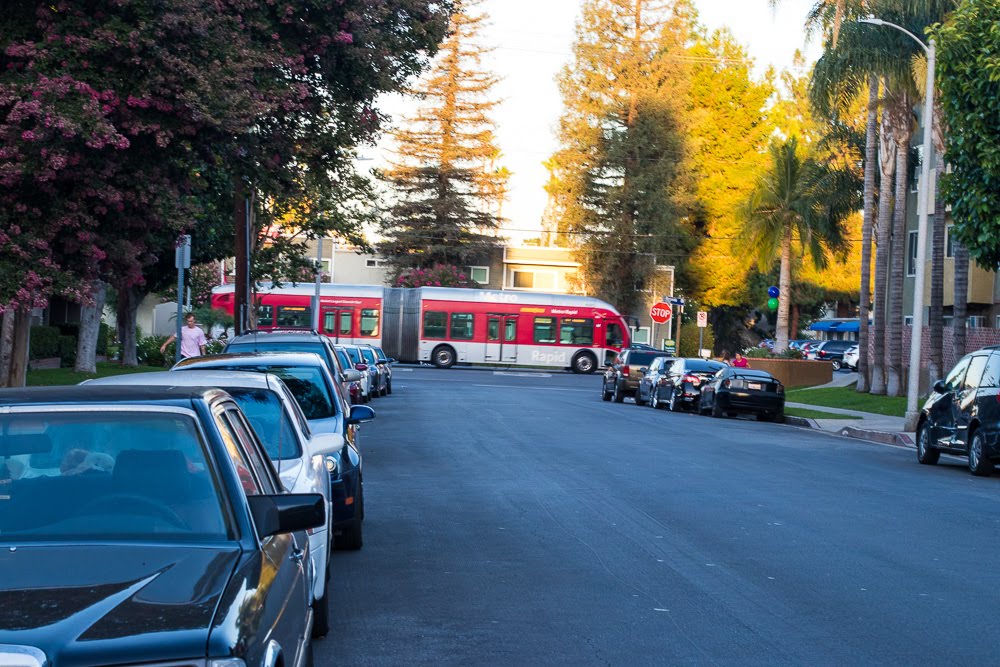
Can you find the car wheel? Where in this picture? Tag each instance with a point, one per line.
(779, 416)
(639, 400)
(618, 396)
(584, 363)
(321, 614)
(764, 417)
(836, 365)
(388, 388)
(351, 538)
(672, 403)
(605, 394)
(979, 463)
(926, 454)
(654, 398)
(443, 356)
(716, 410)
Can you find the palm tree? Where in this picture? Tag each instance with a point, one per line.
(797, 198)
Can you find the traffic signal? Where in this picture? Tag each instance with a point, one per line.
(773, 293)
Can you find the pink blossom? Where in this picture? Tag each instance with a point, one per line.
(28, 135)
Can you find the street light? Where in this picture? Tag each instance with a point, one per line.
(913, 384)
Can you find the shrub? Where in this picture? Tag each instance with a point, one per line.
(758, 353)
(44, 342)
(792, 354)
(67, 351)
(214, 346)
(148, 351)
(439, 275)
(102, 339)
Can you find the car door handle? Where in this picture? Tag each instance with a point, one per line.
(298, 555)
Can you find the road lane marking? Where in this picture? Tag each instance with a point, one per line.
(523, 375)
(524, 386)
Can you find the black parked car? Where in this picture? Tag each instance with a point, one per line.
(962, 416)
(685, 378)
(744, 391)
(832, 351)
(651, 381)
(147, 526)
(621, 378)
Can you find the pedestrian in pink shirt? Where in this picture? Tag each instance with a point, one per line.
(193, 339)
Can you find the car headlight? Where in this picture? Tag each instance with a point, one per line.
(227, 662)
(331, 465)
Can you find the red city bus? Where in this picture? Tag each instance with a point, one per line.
(445, 326)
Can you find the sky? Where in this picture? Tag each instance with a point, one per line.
(530, 52)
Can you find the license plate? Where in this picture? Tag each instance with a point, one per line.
(754, 385)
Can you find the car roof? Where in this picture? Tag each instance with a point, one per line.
(252, 359)
(290, 336)
(192, 378)
(103, 394)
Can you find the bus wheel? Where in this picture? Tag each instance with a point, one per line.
(443, 356)
(584, 362)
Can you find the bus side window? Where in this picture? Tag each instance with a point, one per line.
(493, 329)
(461, 326)
(435, 324)
(345, 323)
(614, 335)
(510, 330)
(576, 331)
(545, 330)
(369, 322)
(265, 316)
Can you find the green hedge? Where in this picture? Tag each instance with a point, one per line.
(148, 351)
(44, 342)
(102, 339)
(67, 351)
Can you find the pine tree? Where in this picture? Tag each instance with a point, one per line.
(448, 188)
(620, 179)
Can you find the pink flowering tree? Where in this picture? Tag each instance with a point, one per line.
(439, 275)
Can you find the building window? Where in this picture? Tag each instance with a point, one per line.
(975, 322)
(461, 326)
(435, 324)
(480, 274)
(545, 329)
(997, 322)
(376, 263)
(911, 255)
(949, 247)
(540, 280)
(908, 321)
(369, 322)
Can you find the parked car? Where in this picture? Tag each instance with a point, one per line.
(299, 341)
(799, 344)
(352, 390)
(367, 374)
(962, 415)
(832, 351)
(298, 454)
(385, 363)
(622, 377)
(326, 411)
(735, 391)
(851, 358)
(652, 380)
(145, 526)
(380, 377)
(682, 389)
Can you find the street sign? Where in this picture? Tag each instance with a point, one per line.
(677, 301)
(182, 254)
(702, 319)
(669, 346)
(660, 312)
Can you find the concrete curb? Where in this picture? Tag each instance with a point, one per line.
(869, 435)
(802, 421)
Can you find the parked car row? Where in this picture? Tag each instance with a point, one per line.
(189, 515)
(693, 384)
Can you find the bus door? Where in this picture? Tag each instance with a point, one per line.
(338, 323)
(501, 338)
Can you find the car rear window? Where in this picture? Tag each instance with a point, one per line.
(699, 366)
(306, 383)
(107, 475)
(642, 358)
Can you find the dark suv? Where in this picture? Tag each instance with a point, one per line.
(961, 416)
(622, 377)
(832, 351)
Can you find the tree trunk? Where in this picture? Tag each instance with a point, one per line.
(785, 287)
(887, 164)
(90, 328)
(19, 349)
(6, 346)
(961, 297)
(871, 155)
(793, 332)
(897, 268)
(128, 306)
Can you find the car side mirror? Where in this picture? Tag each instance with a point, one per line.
(644, 369)
(940, 387)
(360, 414)
(287, 512)
(361, 367)
(351, 375)
(390, 360)
(325, 443)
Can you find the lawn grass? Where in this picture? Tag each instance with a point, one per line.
(48, 377)
(847, 398)
(817, 414)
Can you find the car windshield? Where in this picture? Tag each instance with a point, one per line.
(270, 421)
(380, 354)
(107, 475)
(344, 360)
(368, 354)
(699, 366)
(305, 382)
(355, 355)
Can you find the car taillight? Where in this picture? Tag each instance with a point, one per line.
(625, 370)
(693, 379)
(726, 384)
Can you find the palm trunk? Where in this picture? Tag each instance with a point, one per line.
(90, 328)
(887, 163)
(785, 287)
(871, 155)
(897, 270)
(128, 306)
(936, 315)
(961, 297)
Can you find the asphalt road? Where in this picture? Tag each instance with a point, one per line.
(517, 519)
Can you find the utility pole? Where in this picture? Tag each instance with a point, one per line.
(182, 260)
(241, 218)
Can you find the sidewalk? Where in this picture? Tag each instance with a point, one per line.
(872, 427)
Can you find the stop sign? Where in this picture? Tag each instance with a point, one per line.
(660, 312)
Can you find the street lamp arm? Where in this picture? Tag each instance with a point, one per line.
(874, 21)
